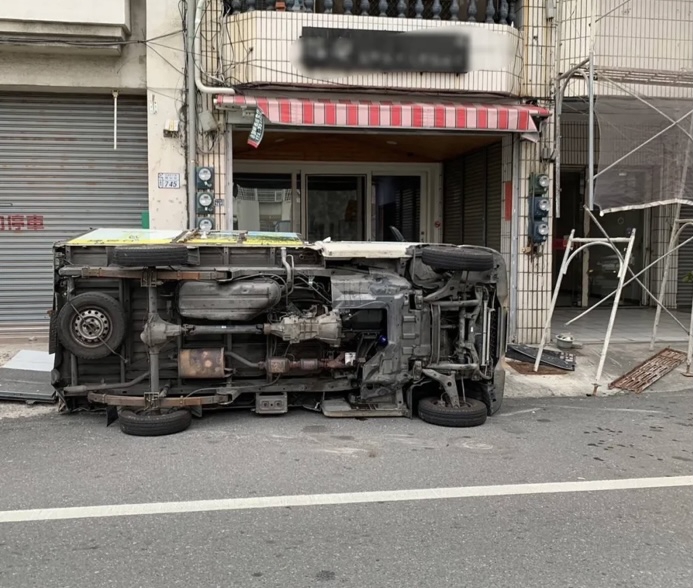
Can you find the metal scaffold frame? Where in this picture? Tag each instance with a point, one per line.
(588, 71)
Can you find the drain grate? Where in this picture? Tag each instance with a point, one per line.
(649, 371)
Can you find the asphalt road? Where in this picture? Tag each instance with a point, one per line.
(639, 537)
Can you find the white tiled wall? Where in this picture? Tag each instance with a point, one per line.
(533, 284)
(574, 153)
(647, 38)
(633, 40)
(261, 48)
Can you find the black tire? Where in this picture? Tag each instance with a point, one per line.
(471, 413)
(150, 256)
(457, 259)
(154, 424)
(52, 334)
(91, 325)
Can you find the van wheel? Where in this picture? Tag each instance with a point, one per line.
(470, 413)
(91, 325)
(150, 255)
(457, 259)
(153, 424)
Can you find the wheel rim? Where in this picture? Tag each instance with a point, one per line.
(447, 404)
(91, 327)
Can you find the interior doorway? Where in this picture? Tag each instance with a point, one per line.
(593, 274)
(604, 263)
(572, 217)
(336, 207)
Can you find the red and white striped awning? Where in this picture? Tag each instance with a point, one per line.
(391, 115)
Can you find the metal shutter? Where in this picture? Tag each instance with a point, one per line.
(410, 220)
(453, 186)
(474, 203)
(60, 176)
(684, 290)
(494, 189)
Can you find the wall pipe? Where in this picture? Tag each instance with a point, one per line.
(196, 54)
(590, 131)
(192, 113)
(199, 85)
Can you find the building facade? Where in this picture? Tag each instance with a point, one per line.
(301, 135)
(642, 55)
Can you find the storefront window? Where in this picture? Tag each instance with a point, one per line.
(336, 207)
(262, 202)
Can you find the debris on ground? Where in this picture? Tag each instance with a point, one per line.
(556, 359)
(649, 371)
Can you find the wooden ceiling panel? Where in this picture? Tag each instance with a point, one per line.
(356, 147)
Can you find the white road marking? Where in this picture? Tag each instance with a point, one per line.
(641, 410)
(121, 510)
(525, 411)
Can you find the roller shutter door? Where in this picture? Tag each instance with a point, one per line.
(59, 177)
(494, 193)
(684, 290)
(474, 199)
(453, 188)
(410, 221)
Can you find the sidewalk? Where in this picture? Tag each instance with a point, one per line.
(17, 380)
(620, 359)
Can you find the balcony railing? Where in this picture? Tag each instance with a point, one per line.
(481, 11)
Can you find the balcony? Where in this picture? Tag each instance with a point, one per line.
(481, 11)
(262, 43)
(65, 26)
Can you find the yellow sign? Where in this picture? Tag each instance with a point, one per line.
(126, 237)
(114, 237)
(248, 238)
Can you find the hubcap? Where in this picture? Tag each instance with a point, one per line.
(91, 327)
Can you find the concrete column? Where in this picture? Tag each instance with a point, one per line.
(165, 60)
(534, 272)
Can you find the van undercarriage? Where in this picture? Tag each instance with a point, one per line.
(157, 332)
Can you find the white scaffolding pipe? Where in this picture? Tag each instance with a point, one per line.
(635, 149)
(689, 353)
(649, 104)
(590, 134)
(585, 243)
(629, 269)
(676, 232)
(586, 69)
(641, 272)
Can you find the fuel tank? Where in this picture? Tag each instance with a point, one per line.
(242, 300)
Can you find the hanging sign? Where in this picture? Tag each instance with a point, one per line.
(258, 129)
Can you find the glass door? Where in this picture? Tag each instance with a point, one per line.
(604, 263)
(396, 207)
(335, 207)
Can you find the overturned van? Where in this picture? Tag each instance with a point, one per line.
(158, 326)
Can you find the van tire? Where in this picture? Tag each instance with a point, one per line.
(457, 259)
(150, 256)
(154, 424)
(470, 413)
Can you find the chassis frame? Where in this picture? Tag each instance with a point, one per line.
(414, 300)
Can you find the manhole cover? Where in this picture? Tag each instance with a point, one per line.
(649, 371)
